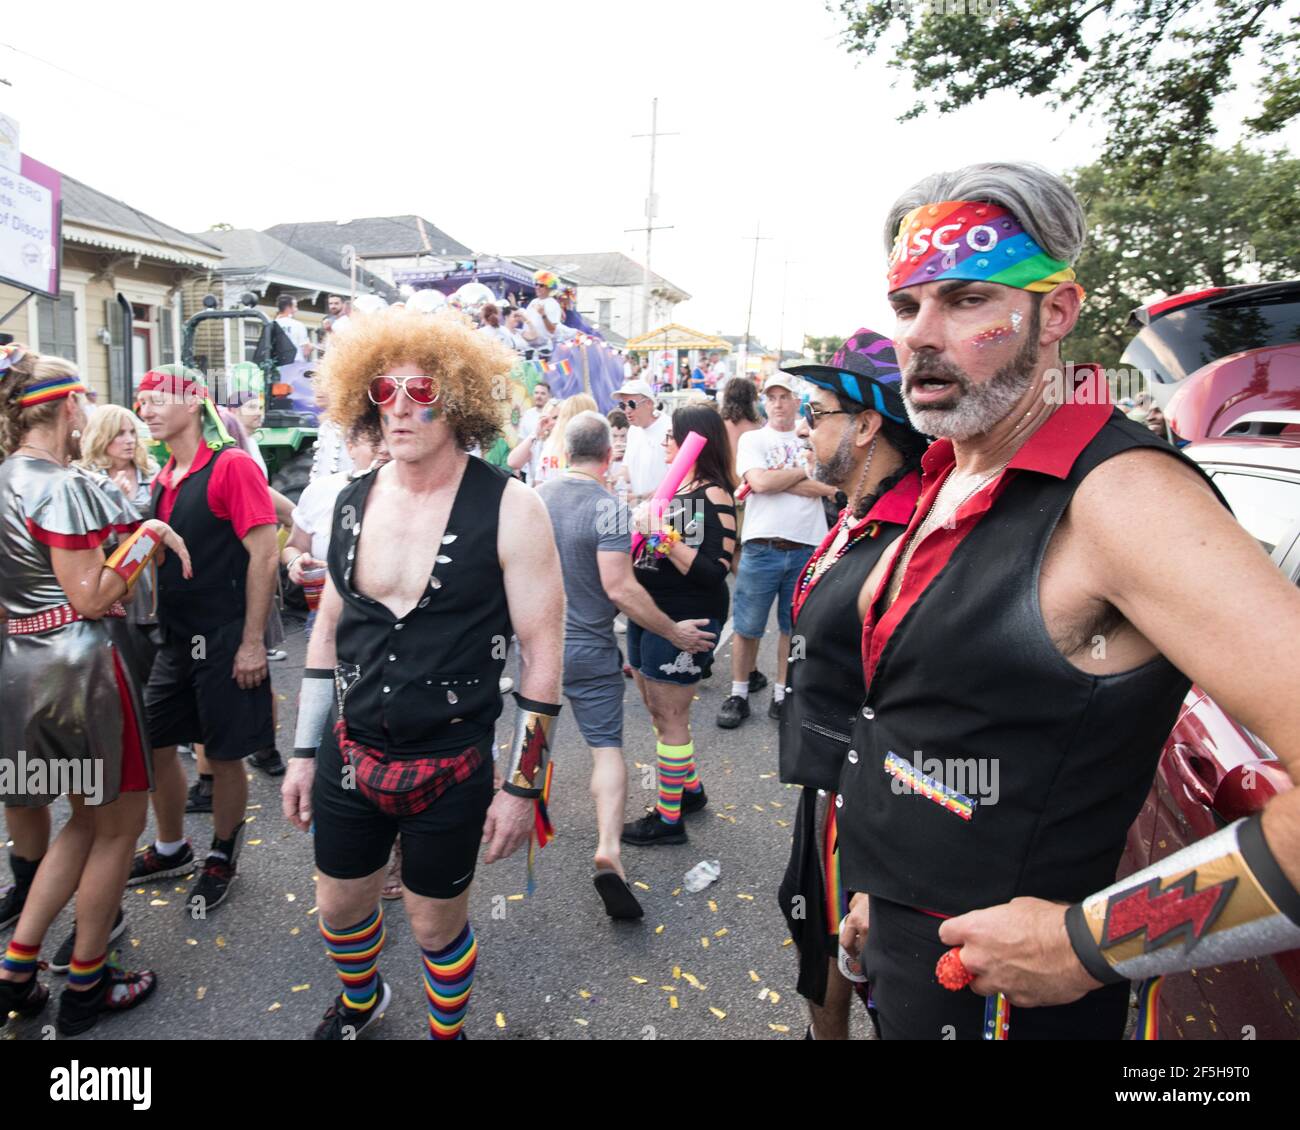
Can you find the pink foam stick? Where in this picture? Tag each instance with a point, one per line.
(681, 466)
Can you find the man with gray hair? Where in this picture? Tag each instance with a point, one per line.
(593, 534)
(1044, 613)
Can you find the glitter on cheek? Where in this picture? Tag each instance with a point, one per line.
(1016, 319)
(428, 415)
(994, 335)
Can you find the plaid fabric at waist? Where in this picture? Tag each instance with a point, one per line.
(403, 786)
(51, 618)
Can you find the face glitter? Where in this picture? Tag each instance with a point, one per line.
(994, 335)
(428, 415)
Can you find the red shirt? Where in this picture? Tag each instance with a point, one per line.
(1051, 450)
(237, 489)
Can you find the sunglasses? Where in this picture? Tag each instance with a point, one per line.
(421, 390)
(812, 415)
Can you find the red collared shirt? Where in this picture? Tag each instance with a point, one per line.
(1051, 450)
(894, 507)
(237, 489)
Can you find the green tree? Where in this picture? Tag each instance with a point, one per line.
(1234, 218)
(1152, 70)
(822, 348)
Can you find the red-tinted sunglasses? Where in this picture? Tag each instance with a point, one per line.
(422, 390)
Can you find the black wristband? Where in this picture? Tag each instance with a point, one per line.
(304, 754)
(516, 790)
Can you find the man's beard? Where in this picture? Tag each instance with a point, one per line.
(980, 406)
(837, 469)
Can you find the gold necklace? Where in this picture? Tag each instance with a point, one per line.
(584, 474)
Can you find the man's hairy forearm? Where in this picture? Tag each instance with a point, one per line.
(640, 608)
(259, 585)
(774, 482)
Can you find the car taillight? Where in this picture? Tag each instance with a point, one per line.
(1144, 314)
(279, 389)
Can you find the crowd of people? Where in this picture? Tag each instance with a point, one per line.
(946, 541)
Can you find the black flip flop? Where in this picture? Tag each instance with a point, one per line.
(620, 902)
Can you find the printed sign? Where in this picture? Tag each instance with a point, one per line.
(30, 236)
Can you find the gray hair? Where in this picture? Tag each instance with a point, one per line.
(587, 438)
(1043, 203)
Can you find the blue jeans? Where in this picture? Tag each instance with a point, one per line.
(766, 574)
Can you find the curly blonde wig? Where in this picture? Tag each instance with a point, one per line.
(106, 424)
(471, 370)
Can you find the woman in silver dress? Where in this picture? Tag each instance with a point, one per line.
(73, 718)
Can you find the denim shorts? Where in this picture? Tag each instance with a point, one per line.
(766, 574)
(661, 662)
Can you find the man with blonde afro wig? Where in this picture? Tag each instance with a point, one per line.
(435, 559)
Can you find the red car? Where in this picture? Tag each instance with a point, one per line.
(1213, 770)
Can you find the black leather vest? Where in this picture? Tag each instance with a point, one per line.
(214, 595)
(427, 683)
(825, 672)
(971, 692)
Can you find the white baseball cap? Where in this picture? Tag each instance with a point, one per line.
(779, 380)
(635, 388)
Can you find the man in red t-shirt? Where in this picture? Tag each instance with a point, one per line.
(210, 682)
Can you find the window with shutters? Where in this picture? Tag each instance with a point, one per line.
(604, 306)
(166, 336)
(58, 326)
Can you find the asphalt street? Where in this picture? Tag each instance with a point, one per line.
(711, 965)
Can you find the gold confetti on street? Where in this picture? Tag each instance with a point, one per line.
(501, 1019)
(290, 897)
(584, 994)
(252, 843)
(718, 1013)
(779, 1027)
(295, 931)
(637, 980)
(719, 933)
(640, 884)
(191, 941)
(157, 902)
(713, 906)
(754, 976)
(514, 898)
(747, 898)
(221, 942)
(788, 942)
(672, 1002)
(659, 929)
(704, 942)
(300, 988)
(200, 992)
(579, 1020)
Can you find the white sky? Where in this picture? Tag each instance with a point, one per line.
(509, 126)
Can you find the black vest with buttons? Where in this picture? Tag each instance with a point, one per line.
(215, 593)
(427, 683)
(825, 673)
(971, 680)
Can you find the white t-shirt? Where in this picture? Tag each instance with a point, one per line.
(297, 333)
(645, 455)
(314, 513)
(781, 515)
(548, 306)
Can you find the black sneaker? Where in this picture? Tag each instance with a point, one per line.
(14, 898)
(212, 888)
(774, 710)
(117, 991)
(63, 957)
(268, 761)
(26, 998)
(693, 802)
(650, 830)
(199, 799)
(734, 711)
(343, 1023)
(150, 864)
(757, 681)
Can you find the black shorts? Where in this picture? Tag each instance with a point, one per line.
(189, 699)
(902, 950)
(809, 919)
(439, 844)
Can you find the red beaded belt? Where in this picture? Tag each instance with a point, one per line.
(52, 618)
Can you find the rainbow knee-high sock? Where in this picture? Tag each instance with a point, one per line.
(692, 783)
(675, 765)
(85, 975)
(355, 953)
(448, 979)
(20, 958)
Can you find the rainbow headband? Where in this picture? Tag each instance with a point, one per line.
(55, 389)
(964, 239)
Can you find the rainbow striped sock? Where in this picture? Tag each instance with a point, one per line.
(448, 979)
(675, 763)
(20, 958)
(85, 975)
(692, 783)
(355, 953)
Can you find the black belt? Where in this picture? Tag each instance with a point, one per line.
(779, 543)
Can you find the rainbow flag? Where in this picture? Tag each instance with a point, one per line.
(563, 367)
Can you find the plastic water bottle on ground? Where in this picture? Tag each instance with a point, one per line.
(702, 874)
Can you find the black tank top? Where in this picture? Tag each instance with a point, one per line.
(971, 686)
(427, 683)
(825, 672)
(214, 595)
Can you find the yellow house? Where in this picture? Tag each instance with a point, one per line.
(118, 312)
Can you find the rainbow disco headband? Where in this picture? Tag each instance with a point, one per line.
(55, 389)
(546, 278)
(964, 239)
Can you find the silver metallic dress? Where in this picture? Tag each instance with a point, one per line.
(66, 692)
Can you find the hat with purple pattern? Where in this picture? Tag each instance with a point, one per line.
(864, 370)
